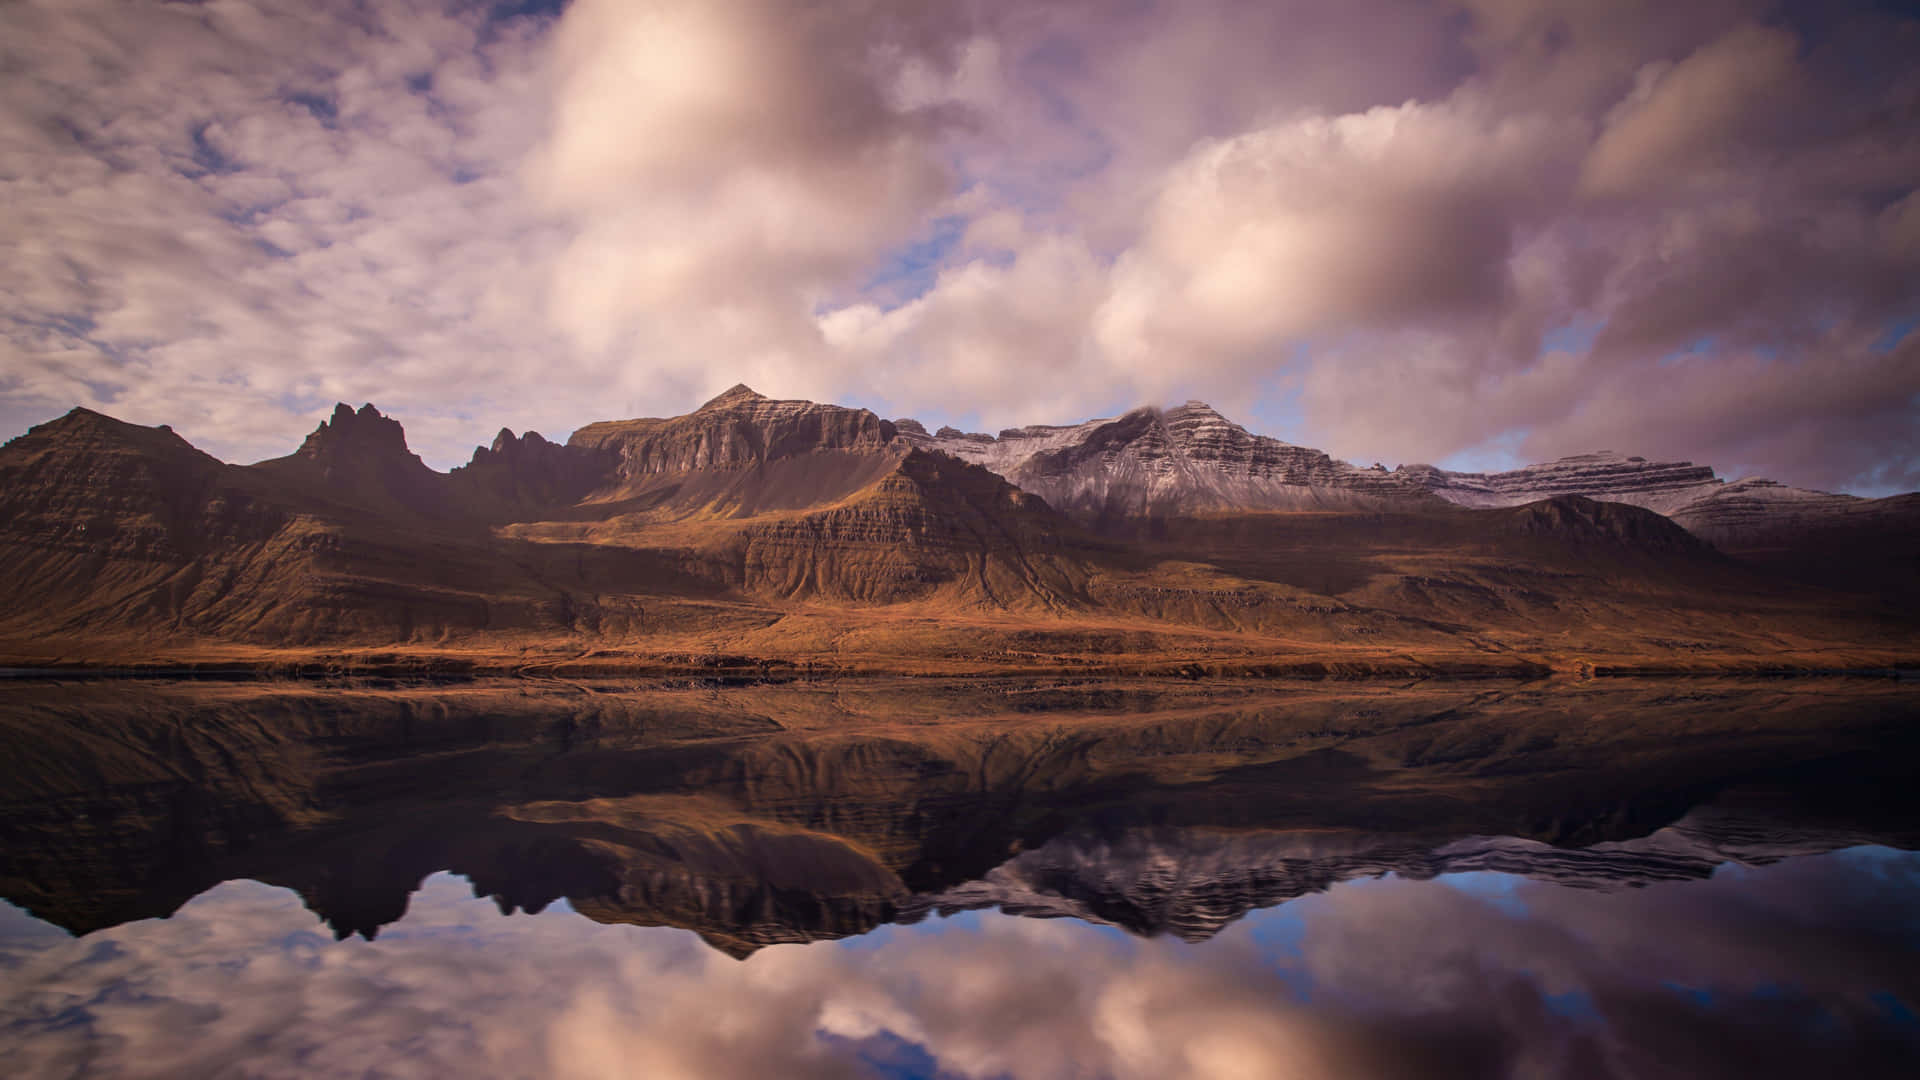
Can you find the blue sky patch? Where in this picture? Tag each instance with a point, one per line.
(910, 271)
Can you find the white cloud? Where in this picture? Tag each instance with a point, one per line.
(1374, 219)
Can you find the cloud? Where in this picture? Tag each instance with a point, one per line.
(987, 324)
(229, 216)
(1383, 218)
(226, 217)
(1687, 117)
(727, 167)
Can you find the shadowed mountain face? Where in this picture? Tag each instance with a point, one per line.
(764, 815)
(792, 532)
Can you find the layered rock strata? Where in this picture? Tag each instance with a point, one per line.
(737, 430)
(1179, 461)
(1662, 486)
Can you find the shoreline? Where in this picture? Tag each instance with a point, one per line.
(744, 671)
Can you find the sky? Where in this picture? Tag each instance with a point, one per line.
(1803, 968)
(1473, 232)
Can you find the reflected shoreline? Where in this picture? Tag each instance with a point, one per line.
(767, 814)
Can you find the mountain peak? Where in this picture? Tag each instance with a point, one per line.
(363, 435)
(81, 418)
(85, 427)
(738, 394)
(363, 431)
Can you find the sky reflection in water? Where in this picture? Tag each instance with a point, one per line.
(1806, 967)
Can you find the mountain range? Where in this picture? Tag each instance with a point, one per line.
(754, 533)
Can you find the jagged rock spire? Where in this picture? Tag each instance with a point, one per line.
(358, 433)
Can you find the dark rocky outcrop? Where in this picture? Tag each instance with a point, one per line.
(360, 459)
(1579, 522)
(522, 476)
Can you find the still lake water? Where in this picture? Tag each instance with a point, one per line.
(930, 879)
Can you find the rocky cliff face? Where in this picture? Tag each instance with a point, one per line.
(1662, 486)
(737, 430)
(1161, 463)
(739, 455)
(931, 525)
(1001, 453)
(1731, 513)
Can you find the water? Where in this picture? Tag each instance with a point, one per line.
(966, 880)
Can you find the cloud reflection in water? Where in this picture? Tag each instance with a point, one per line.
(1810, 966)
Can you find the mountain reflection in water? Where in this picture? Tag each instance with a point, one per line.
(1642, 879)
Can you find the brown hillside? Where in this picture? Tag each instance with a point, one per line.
(931, 527)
